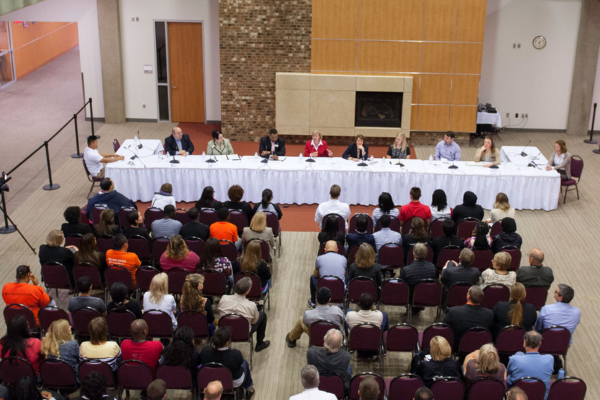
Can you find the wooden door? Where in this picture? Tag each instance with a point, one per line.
(186, 72)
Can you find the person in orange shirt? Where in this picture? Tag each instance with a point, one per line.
(23, 292)
(225, 230)
(120, 256)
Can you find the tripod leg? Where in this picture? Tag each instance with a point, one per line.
(14, 226)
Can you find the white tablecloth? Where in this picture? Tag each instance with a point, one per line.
(513, 155)
(149, 147)
(294, 181)
(489, 118)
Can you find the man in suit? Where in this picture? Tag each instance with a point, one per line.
(272, 146)
(463, 272)
(331, 357)
(536, 274)
(178, 143)
(463, 318)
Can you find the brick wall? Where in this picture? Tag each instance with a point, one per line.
(257, 39)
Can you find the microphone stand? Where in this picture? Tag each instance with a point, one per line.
(523, 154)
(174, 161)
(453, 166)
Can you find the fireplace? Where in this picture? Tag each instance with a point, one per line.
(378, 109)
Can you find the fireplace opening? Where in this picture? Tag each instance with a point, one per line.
(378, 109)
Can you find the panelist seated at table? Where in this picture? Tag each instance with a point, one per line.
(447, 148)
(560, 160)
(488, 153)
(271, 146)
(357, 151)
(218, 145)
(399, 149)
(317, 147)
(94, 159)
(178, 143)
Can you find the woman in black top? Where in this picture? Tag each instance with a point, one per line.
(449, 238)
(207, 200)
(364, 265)
(106, 226)
(469, 208)
(73, 226)
(508, 237)
(53, 251)
(119, 293)
(220, 352)
(266, 204)
(331, 231)
(88, 253)
(181, 352)
(253, 262)
(135, 220)
(399, 149)
(440, 364)
(236, 193)
(515, 311)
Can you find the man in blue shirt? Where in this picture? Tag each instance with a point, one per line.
(385, 235)
(531, 363)
(330, 263)
(167, 226)
(447, 148)
(560, 313)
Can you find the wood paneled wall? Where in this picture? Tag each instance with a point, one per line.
(437, 42)
(39, 43)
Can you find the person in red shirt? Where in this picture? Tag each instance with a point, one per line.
(225, 230)
(414, 208)
(317, 147)
(119, 255)
(147, 351)
(23, 292)
(19, 343)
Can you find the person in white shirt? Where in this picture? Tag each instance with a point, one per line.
(164, 197)
(158, 298)
(502, 209)
(94, 159)
(333, 206)
(309, 375)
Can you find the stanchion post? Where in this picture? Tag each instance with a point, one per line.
(78, 154)
(6, 228)
(591, 139)
(51, 186)
(92, 116)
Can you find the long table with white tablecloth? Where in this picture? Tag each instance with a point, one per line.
(295, 181)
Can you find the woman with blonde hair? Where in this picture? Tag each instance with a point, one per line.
(106, 226)
(440, 364)
(158, 298)
(399, 149)
(560, 160)
(317, 147)
(99, 347)
(53, 251)
(499, 273)
(514, 312)
(192, 299)
(484, 363)
(502, 209)
(364, 264)
(252, 262)
(59, 343)
(178, 255)
(258, 229)
(488, 153)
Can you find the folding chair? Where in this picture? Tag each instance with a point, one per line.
(427, 293)
(208, 216)
(465, 228)
(403, 387)
(333, 383)
(196, 321)
(215, 372)
(48, 315)
(340, 219)
(12, 369)
(317, 331)
(437, 329)
(273, 223)
(101, 367)
(151, 215)
(133, 375)
(352, 223)
(569, 387)
(55, 276)
(487, 388)
(359, 285)
(81, 320)
(448, 388)
(14, 309)
(576, 172)
(510, 340)
(367, 338)
(240, 328)
(159, 323)
(555, 341)
(537, 296)
(90, 178)
(118, 322)
(493, 294)
(473, 339)
(534, 388)
(57, 374)
(337, 287)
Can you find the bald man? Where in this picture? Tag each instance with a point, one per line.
(516, 393)
(178, 143)
(536, 274)
(141, 349)
(213, 391)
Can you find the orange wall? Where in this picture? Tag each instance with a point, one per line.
(439, 43)
(40, 43)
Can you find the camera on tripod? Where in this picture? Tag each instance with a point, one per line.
(4, 178)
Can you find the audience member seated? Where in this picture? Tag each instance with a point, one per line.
(329, 263)
(119, 293)
(252, 262)
(135, 228)
(192, 299)
(484, 363)
(158, 298)
(235, 194)
(167, 226)
(178, 255)
(463, 272)
(239, 304)
(501, 210)
(418, 234)
(26, 389)
(414, 208)
(213, 259)
(515, 311)
(164, 197)
(419, 270)
(93, 387)
(109, 198)
(385, 207)
(258, 229)
(107, 225)
(440, 363)
(157, 390)
(322, 311)
(468, 209)
(331, 357)
(266, 204)
(367, 314)
(423, 393)
(207, 200)
(99, 347)
(118, 255)
(225, 230)
(194, 228)
(88, 253)
(368, 389)
(536, 274)
(212, 391)
(53, 251)
(140, 348)
(218, 145)
(508, 237)
(58, 343)
(470, 315)
(499, 273)
(219, 352)
(29, 294)
(361, 235)
(516, 393)
(449, 238)
(331, 231)
(332, 206)
(561, 313)
(480, 239)
(181, 351)
(399, 149)
(84, 286)
(531, 363)
(309, 376)
(19, 343)
(439, 205)
(386, 235)
(364, 265)
(73, 226)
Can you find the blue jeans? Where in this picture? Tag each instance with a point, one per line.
(385, 322)
(248, 383)
(264, 290)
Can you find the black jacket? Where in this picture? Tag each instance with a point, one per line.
(469, 208)
(265, 145)
(454, 274)
(535, 276)
(71, 229)
(171, 145)
(352, 151)
(242, 206)
(428, 370)
(195, 229)
(506, 239)
(113, 200)
(501, 318)
(438, 243)
(462, 318)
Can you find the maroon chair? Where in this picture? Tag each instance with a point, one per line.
(407, 226)
(352, 223)
(265, 249)
(534, 388)
(81, 320)
(487, 388)
(91, 178)
(555, 341)
(357, 379)
(367, 338)
(391, 256)
(215, 372)
(104, 243)
(352, 254)
(515, 257)
(116, 145)
(240, 330)
(341, 250)
(256, 294)
(151, 215)
(394, 224)
(576, 172)
(196, 245)
(493, 294)
(410, 257)
(208, 216)
(179, 377)
(133, 375)
(457, 294)
(483, 259)
(317, 331)
(569, 387)
(101, 367)
(394, 292)
(91, 271)
(159, 246)
(473, 339)
(196, 321)
(401, 337)
(118, 273)
(49, 314)
(496, 228)
(177, 277)
(57, 374)
(435, 229)
(143, 278)
(215, 283)
(437, 329)
(403, 387)
(340, 219)
(229, 250)
(12, 369)
(333, 383)
(510, 340)
(337, 287)
(159, 323)
(96, 211)
(182, 216)
(13, 310)
(118, 322)
(73, 239)
(123, 213)
(359, 285)
(465, 228)
(55, 276)
(448, 388)
(537, 296)
(447, 253)
(239, 219)
(273, 223)
(141, 247)
(427, 293)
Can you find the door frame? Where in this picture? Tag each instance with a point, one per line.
(11, 53)
(167, 21)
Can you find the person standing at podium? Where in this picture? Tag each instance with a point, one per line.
(272, 146)
(178, 143)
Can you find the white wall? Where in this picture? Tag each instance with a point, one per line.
(596, 99)
(85, 13)
(137, 40)
(526, 80)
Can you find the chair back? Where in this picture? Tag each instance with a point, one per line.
(182, 216)
(116, 145)
(96, 211)
(555, 340)
(256, 290)
(427, 293)
(365, 337)
(496, 228)
(104, 243)
(569, 387)
(407, 227)
(123, 212)
(214, 372)
(101, 367)
(510, 340)
(196, 245)
(515, 257)
(465, 228)
(317, 331)
(333, 383)
(336, 285)
(58, 375)
(483, 259)
(73, 239)
(143, 277)
(394, 292)
(437, 329)
(448, 388)
(12, 369)
(117, 273)
(49, 314)
(341, 221)
(576, 167)
(215, 283)
(404, 386)
(394, 224)
(410, 256)
(359, 285)
(357, 379)
(473, 339)
(151, 215)
(177, 278)
(141, 247)
(208, 216)
(178, 377)
(239, 219)
(352, 253)
(14, 309)
(240, 327)
(91, 271)
(534, 388)
(487, 388)
(391, 255)
(159, 323)
(265, 250)
(159, 246)
(352, 223)
(493, 294)
(273, 223)
(435, 229)
(401, 337)
(133, 375)
(457, 294)
(82, 318)
(537, 296)
(118, 322)
(55, 276)
(447, 253)
(196, 321)
(229, 250)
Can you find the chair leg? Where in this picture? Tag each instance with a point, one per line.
(565, 363)
(92, 188)
(565, 199)
(577, 187)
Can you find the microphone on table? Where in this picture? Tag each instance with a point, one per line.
(310, 159)
(532, 164)
(174, 161)
(139, 137)
(523, 154)
(210, 160)
(453, 166)
(494, 166)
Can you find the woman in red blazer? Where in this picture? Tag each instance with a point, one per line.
(317, 147)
